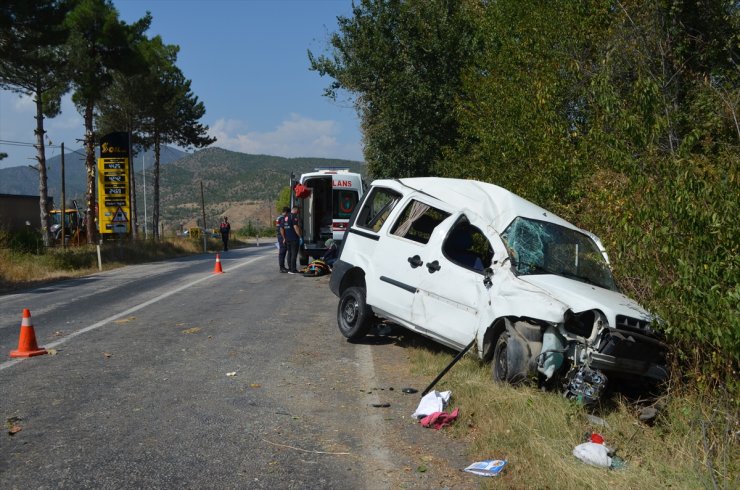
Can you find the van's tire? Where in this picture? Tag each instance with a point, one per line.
(354, 317)
(509, 363)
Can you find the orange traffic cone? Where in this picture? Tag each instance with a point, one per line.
(218, 269)
(27, 346)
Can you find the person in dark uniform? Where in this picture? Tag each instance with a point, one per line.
(293, 234)
(282, 245)
(225, 229)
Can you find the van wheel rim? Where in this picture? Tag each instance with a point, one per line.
(349, 311)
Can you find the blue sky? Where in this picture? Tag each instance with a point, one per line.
(248, 64)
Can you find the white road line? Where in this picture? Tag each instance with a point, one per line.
(379, 460)
(105, 321)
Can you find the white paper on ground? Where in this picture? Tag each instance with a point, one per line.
(434, 401)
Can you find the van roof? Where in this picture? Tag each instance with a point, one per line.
(491, 202)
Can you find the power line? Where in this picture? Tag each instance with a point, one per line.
(23, 143)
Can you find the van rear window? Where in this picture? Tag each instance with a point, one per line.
(344, 203)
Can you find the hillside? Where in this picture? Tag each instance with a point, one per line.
(24, 180)
(240, 185)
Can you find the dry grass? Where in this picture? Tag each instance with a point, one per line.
(22, 269)
(536, 432)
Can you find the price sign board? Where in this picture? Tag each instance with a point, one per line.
(114, 191)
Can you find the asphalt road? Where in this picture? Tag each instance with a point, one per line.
(166, 375)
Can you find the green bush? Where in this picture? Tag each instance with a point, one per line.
(27, 240)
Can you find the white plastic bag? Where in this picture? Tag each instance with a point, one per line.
(593, 454)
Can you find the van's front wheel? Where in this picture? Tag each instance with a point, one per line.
(509, 364)
(353, 315)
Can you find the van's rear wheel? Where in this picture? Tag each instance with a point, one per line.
(353, 315)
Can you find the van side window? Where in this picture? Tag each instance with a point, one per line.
(418, 221)
(468, 247)
(376, 208)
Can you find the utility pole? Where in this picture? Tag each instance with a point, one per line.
(203, 210)
(132, 193)
(143, 171)
(64, 207)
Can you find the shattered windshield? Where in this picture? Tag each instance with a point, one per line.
(540, 247)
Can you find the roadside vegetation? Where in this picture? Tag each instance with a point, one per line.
(689, 445)
(623, 118)
(24, 262)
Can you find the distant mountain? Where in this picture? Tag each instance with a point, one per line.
(228, 178)
(25, 180)
(245, 185)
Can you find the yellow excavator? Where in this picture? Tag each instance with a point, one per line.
(74, 230)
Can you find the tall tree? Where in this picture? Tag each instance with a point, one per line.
(100, 44)
(170, 110)
(402, 62)
(32, 38)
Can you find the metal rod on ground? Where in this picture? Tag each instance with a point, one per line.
(444, 371)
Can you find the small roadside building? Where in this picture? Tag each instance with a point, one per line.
(19, 211)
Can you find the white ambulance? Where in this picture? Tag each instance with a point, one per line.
(326, 198)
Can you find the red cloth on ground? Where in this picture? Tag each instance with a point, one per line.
(439, 419)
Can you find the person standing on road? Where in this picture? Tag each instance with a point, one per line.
(293, 235)
(225, 229)
(282, 245)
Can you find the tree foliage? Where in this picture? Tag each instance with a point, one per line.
(99, 45)
(402, 62)
(621, 115)
(157, 105)
(32, 52)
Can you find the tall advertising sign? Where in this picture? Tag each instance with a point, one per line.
(114, 207)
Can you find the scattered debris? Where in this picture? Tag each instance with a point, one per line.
(440, 419)
(303, 450)
(596, 453)
(410, 391)
(593, 454)
(381, 405)
(13, 426)
(51, 352)
(254, 385)
(191, 330)
(491, 467)
(596, 437)
(107, 354)
(125, 320)
(434, 401)
(594, 420)
(648, 414)
(232, 373)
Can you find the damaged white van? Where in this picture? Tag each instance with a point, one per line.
(469, 263)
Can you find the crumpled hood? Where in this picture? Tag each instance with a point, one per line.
(580, 296)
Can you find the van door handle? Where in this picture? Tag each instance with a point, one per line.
(433, 266)
(415, 261)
